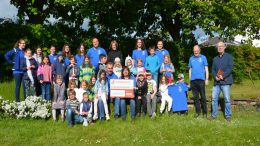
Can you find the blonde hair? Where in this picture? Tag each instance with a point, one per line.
(169, 58)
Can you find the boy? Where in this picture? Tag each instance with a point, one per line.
(152, 63)
(151, 95)
(58, 102)
(141, 85)
(86, 109)
(101, 65)
(178, 92)
(72, 106)
(73, 70)
(59, 67)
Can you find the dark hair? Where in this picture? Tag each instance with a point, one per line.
(122, 73)
(164, 76)
(28, 49)
(60, 77)
(90, 82)
(45, 56)
(102, 71)
(110, 63)
(79, 48)
(85, 93)
(63, 51)
(16, 45)
(143, 45)
(71, 91)
(84, 82)
(72, 57)
(101, 56)
(84, 64)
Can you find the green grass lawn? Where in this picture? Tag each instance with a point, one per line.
(244, 129)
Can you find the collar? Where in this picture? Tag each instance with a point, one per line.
(160, 50)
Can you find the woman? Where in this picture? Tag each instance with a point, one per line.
(15, 56)
(114, 52)
(126, 75)
(66, 54)
(80, 55)
(140, 52)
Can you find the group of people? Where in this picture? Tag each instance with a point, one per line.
(80, 84)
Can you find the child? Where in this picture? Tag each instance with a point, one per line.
(38, 55)
(90, 88)
(152, 64)
(163, 88)
(179, 97)
(58, 98)
(44, 74)
(59, 67)
(117, 67)
(72, 107)
(81, 55)
(167, 68)
(81, 90)
(101, 64)
(52, 55)
(86, 70)
(140, 68)
(129, 64)
(66, 54)
(141, 85)
(73, 71)
(101, 93)
(151, 95)
(71, 86)
(29, 66)
(86, 109)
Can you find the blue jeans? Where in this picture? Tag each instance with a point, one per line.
(117, 106)
(123, 107)
(46, 91)
(155, 78)
(72, 117)
(18, 81)
(27, 85)
(101, 110)
(225, 89)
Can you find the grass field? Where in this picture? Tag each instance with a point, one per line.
(244, 129)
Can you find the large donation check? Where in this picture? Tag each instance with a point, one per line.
(121, 88)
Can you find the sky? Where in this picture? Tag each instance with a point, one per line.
(7, 10)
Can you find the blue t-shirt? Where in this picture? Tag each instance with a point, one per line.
(94, 55)
(168, 73)
(67, 61)
(79, 59)
(160, 54)
(52, 58)
(179, 97)
(139, 54)
(197, 65)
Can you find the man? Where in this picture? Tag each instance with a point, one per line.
(222, 74)
(199, 74)
(161, 52)
(95, 52)
(111, 75)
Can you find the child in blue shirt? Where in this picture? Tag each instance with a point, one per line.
(86, 109)
(80, 56)
(167, 68)
(152, 63)
(52, 55)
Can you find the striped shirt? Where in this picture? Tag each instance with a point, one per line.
(86, 73)
(73, 104)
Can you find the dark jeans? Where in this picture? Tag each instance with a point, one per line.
(198, 90)
(18, 81)
(141, 104)
(46, 91)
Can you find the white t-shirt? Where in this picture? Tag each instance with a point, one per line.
(163, 89)
(151, 85)
(79, 93)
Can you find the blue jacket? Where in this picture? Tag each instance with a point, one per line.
(104, 87)
(139, 54)
(15, 57)
(224, 63)
(24, 68)
(152, 63)
(86, 106)
(59, 68)
(79, 59)
(66, 60)
(160, 54)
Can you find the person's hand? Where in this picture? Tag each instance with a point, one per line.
(28, 68)
(206, 82)
(41, 81)
(32, 66)
(217, 78)
(169, 70)
(139, 97)
(220, 77)
(73, 75)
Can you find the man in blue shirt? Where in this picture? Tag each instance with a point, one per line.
(199, 74)
(94, 52)
(161, 51)
(222, 74)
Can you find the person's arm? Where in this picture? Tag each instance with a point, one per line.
(81, 109)
(190, 73)
(107, 88)
(207, 75)
(214, 70)
(158, 64)
(8, 56)
(23, 65)
(162, 69)
(154, 90)
(68, 69)
(54, 93)
(173, 70)
(80, 75)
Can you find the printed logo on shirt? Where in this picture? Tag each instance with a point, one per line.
(180, 89)
(200, 60)
(143, 53)
(163, 53)
(99, 52)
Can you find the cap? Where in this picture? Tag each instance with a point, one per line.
(180, 76)
(117, 59)
(59, 54)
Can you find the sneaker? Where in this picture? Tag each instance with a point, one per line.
(85, 123)
(116, 117)
(228, 119)
(153, 115)
(95, 117)
(107, 118)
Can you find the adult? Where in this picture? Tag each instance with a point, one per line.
(161, 51)
(52, 55)
(38, 55)
(140, 52)
(66, 54)
(222, 73)
(94, 52)
(80, 56)
(111, 75)
(199, 75)
(126, 75)
(14, 57)
(114, 52)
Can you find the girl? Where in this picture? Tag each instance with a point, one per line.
(80, 55)
(90, 88)
(38, 55)
(14, 57)
(101, 94)
(117, 67)
(129, 64)
(167, 68)
(44, 74)
(86, 70)
(114, 52)
(52, 55)
(29, 66)
(163, 88)
(81, 90)
(71, 86)
(72, 70)
(59, 67)
(86, 109)
(66, 54)
(141, 85)
(140, 68)
(126, 75)
(140, 52)
(58, 102)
